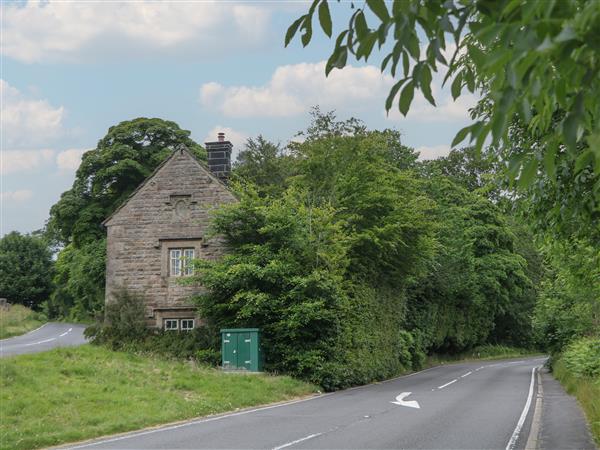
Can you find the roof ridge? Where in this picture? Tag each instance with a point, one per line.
(179, 148)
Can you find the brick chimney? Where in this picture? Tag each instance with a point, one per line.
(219, 157)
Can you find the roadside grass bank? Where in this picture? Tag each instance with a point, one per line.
(578, 370)
(19, 320)
(483, 352)
(71, 394)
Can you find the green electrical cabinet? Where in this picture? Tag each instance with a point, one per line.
(240, 349)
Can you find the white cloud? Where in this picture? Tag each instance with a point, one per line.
(293, 89)
(69, 160)
(433, 152)
(237, 138)
(88, 31)
(17, 161)
(27, 122)
(16, 196)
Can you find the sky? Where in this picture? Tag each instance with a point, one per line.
(71, 69)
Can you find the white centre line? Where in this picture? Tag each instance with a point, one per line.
(297, 441)
(466, 374)
(515, 435)
(448, 384)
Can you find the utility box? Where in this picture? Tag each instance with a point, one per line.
(240, 349)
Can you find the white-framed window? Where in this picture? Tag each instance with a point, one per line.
(178, 324)
(171, 324)
(186, 324)
(181, 262)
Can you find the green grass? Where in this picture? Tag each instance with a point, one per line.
(587, 391)
(18, 320)
(67, 395)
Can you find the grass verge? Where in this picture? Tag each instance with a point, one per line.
(67, 395)
(18, 320)
(578, 370)
(587, 392)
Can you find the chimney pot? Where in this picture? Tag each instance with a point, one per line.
(221, 137)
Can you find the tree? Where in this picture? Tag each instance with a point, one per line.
(477, 289)
(530, 60)
(123, 158)
(25, 269)
(265, 164)
(322, 268)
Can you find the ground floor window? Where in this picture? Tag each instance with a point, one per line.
(179, 324)
(187, 324)
(171, 324)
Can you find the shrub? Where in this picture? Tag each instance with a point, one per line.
(123, 322)
(582, 357)
(124, 327)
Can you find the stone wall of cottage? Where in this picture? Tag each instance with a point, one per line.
(171, 210)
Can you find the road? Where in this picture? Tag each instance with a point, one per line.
(483, 405)
(47, 337)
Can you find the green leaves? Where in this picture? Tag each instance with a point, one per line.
(325, 18)
(291, 31)
(392, 95)
(406, 97)
(456, 86)
(530, 62)
(379, 9)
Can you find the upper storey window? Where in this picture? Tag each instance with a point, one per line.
(180, 262)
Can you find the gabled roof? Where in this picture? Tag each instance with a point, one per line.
(181, 148)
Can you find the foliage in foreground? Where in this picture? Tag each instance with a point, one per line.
(25, 269)
(19, 320)
(90, 391)
(532, 61)
(361, 266)
(578, 369)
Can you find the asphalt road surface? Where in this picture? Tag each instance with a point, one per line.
(47, 337)
(482, 405)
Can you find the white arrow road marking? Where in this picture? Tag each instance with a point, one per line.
(409, 403)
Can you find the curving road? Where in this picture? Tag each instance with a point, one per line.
(47, 337)
(482, 405)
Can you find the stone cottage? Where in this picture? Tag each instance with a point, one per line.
(154, 235)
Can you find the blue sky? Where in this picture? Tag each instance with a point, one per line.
(70, 70)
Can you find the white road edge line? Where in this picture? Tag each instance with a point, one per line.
(448, 384)
(536, 421)
(134, 434)
(297, 441)
(515, 435)
(32, 331)
(466, 374)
